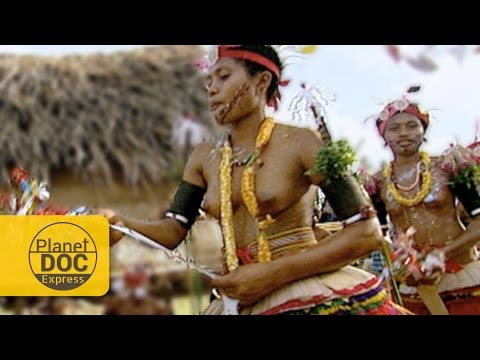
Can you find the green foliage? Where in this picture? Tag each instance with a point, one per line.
(334, 161)
(469, 176)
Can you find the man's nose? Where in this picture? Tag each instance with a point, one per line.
(404, 132)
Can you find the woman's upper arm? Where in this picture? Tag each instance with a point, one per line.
(310, 145)
(193, 172)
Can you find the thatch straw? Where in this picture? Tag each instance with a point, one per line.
(93, 115)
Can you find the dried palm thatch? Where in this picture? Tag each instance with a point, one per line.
(97, 115)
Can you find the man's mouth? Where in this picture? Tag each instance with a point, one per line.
(405, 142)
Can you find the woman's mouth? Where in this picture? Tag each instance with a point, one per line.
(215, 106)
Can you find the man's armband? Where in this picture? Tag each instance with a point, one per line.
(186, 204)
(348, 200)
(469, 197)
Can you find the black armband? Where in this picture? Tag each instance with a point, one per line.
(381, 209)
(382, 214)
(186, 204)
(469, 197)
(348, 200)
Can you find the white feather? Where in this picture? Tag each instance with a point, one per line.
(314, 97)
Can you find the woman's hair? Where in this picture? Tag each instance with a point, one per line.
(254, 68)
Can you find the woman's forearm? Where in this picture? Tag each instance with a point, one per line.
(167, 232)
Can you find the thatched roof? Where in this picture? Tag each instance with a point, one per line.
(96, 114)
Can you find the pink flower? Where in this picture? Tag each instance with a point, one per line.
(202, 64)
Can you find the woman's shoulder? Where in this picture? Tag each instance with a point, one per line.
(297, 133)
(204, 150)
(213, 143)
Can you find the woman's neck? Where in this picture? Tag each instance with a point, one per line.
(245, 131)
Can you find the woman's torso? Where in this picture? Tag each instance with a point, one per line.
(281, 188)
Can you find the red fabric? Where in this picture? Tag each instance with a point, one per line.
(18, 176)
(464, 307)
(385, 309)
(293, 304)
(358, 288)
(459, 306)
(297, 303)
(453, 267)
(136, 279)
(245, 255)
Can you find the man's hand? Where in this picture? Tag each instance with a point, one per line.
(432, 270)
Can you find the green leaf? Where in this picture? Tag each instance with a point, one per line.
(469, 176)
(334, 160)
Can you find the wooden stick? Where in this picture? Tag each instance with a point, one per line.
(432, 300)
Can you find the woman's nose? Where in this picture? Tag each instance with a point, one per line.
(212, 89)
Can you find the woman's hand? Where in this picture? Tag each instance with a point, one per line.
(248, 283)
(113, 219)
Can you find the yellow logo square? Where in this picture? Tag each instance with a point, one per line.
(54, 256)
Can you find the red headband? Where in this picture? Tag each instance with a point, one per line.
(232, 52)
(399, 106)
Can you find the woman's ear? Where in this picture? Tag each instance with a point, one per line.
(264, 80)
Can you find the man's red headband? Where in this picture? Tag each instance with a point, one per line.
(399, 106)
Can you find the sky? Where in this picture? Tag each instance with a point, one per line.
(362, 78)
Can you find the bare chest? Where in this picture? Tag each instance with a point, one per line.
(438, 197)
(278, 180)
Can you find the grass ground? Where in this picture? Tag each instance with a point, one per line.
(190, 305)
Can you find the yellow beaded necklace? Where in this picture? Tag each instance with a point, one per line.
(248, 196)
(424, 190)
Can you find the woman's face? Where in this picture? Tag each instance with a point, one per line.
(232, 92)
(404, 134)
